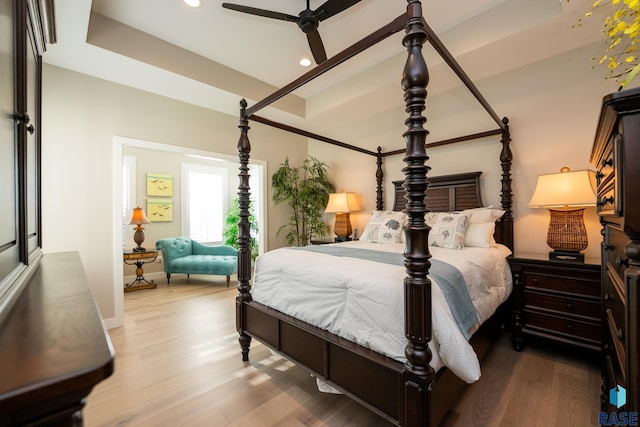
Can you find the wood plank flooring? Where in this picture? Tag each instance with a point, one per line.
(178, 363)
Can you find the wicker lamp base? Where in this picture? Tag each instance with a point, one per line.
(342, 227)
(567, 234)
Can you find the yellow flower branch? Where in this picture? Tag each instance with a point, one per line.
(622, 30)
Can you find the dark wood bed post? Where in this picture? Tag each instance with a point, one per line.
(244, 233)
(506, 158)
(379, 178)
(418, 375)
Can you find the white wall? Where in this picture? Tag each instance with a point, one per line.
(553, 108)
(81, 115)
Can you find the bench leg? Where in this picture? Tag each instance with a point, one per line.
(228, 279)
(168, 278)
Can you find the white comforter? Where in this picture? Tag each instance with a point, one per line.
(362, 300)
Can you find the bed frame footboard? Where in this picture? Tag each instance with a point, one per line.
(373, 380)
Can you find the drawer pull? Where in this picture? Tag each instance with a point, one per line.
(604, 201)
(570, 307)
(535, 282)
(619, 334)
(608, 297)
(620, 262)
(599, 176)
(569, 327)
(607, 162)
(608, 248)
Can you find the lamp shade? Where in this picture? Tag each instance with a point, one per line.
(569, 189)
(138, 217)
(343, 202)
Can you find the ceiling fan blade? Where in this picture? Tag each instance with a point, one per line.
(260, 12)
(333, 7)
(317, 48)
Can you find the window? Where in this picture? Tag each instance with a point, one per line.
(128, 195)
(204, 202)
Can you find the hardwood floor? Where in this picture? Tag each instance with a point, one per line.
(178, 364)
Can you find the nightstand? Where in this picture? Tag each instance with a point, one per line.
(556, 300)
(320, 242)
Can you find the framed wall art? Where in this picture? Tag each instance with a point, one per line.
(159, 184)
(160, 210)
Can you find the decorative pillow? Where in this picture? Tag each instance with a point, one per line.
(487, 214)
(480, 235)
(384, 227)
(430, 217)
(448, 231)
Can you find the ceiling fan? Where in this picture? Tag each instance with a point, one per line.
(308, 20)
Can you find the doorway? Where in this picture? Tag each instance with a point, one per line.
(123, 145)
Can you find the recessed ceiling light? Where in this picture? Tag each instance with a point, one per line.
(305, 62)
(194, 3)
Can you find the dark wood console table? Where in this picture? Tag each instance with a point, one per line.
(139, 258)
(53, 347)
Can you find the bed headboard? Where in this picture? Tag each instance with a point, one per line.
(446, 193)
(450, 193)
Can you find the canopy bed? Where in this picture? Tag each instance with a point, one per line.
(405, 389)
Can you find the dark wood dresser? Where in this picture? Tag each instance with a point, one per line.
(616, 157)
(53, 347)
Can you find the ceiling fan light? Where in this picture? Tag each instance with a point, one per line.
(305, 62)
(194, 3)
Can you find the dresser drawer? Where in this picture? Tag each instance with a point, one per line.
(607, 181)
(615, 310)
(606, 200)
(613, 375)
(605, 168)
(572, 283)
(566, 305)
(615, 240)
(569, 327)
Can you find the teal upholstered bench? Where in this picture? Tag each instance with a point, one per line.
(186, 256)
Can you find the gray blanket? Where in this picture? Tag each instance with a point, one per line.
(448, 278)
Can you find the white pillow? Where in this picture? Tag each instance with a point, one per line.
(384, 227)
(480, 235)
(487, 214)
(449, 230)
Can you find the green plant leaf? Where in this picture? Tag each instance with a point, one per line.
(306, 190)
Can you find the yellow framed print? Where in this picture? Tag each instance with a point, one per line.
(159, 184)
(160, 210)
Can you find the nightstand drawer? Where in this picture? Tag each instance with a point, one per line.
(565, 305)
(562, 284)
(569, 327)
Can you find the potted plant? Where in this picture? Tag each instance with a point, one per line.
(230, 232)
(306, 190)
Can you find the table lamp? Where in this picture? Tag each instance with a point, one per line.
(342, 204)
(138, 218)
(565, 194)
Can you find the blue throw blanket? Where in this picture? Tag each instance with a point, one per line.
(447, 277)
